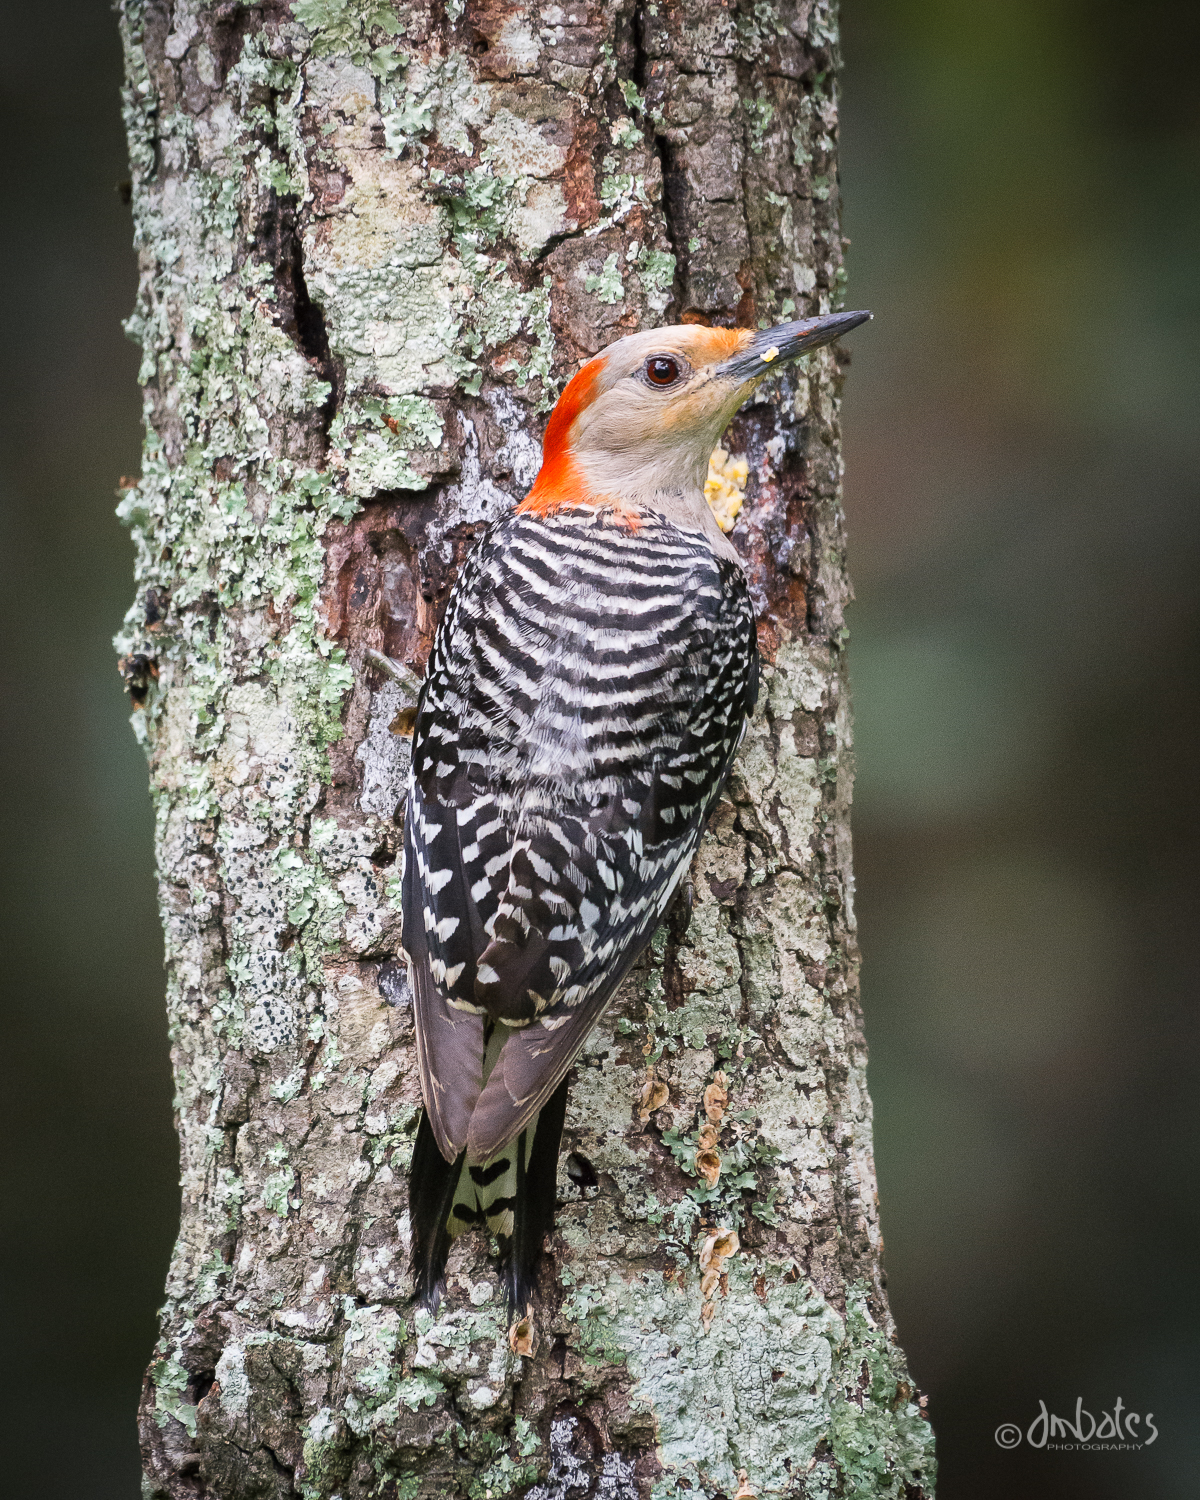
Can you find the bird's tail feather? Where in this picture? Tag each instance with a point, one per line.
(431, 1187)
(533, 1214)
(513, 1194)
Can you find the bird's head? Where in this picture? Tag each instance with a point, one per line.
(636, 425)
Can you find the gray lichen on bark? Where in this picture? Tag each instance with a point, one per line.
(374, 239)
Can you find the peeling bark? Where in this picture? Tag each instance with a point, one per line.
(374, 241)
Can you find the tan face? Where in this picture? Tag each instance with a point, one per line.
(662, 402)
(664, 397)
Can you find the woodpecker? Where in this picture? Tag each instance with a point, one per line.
(587, 689)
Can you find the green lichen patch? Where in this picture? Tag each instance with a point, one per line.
(512, 1464)
(345, 27)
(760, 112)
(373, 442)
(775, 1378)
(606, 284)
(751, 1392)
(656, 271)
(880, 1440)
(170, 1379)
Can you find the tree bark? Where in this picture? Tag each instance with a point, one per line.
(374, 240)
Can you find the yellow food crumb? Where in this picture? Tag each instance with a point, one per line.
(725, 487)
(770, 354)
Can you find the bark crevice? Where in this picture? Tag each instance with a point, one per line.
(278, 239)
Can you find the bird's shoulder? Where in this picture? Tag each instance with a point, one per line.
(588, 560)
(607, 530)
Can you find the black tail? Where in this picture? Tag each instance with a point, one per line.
(533, 1214)
(431, 1184)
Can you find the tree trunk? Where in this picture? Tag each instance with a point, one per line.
(374, 241)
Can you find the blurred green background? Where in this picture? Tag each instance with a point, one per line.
(1022, 185)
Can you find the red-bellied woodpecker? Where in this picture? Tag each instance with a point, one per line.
(586, 693)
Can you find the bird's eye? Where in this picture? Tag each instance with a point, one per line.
(661, 371)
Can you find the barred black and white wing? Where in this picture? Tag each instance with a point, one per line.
(585, 696)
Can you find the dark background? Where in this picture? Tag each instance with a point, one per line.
(1022, 184)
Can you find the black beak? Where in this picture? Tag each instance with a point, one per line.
(773, 347)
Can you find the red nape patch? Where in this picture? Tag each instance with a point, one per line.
(559, 481)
